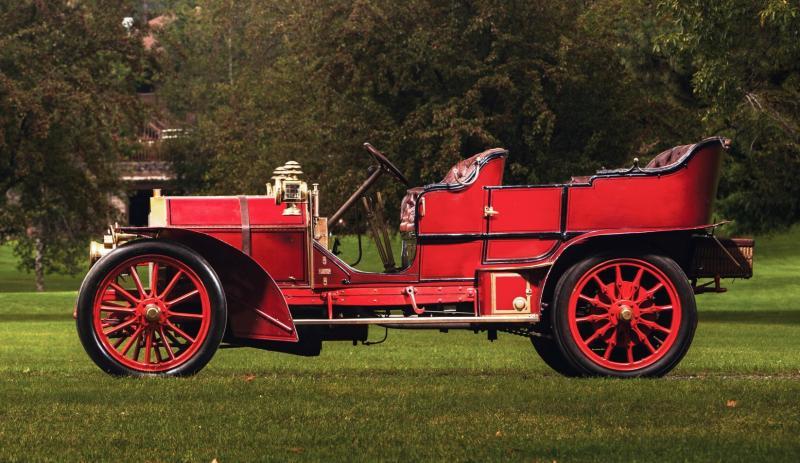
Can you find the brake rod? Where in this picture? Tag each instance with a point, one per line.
(375, 232)
(334, 219)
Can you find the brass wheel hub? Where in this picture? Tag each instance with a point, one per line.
(625, 313)
(152, 313)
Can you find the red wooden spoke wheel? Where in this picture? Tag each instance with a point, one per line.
(159, 322)
(151, 308)
(625, 316)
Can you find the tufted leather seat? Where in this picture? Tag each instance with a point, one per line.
(461, 173)
(408, 208)
(668, 157)
(662, 159)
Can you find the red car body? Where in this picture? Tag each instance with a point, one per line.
(487, 256)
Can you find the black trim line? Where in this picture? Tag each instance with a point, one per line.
(434, 280)
(554, 235)
(511, 187)
(522, 260)
(564, 202)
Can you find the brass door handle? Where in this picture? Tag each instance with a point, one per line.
(489, 211)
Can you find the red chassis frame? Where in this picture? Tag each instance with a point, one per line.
(487, 257)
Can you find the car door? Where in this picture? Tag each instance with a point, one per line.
(522, 223)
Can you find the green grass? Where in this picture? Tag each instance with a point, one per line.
(420, 396)
(370, 260)
(11, 279)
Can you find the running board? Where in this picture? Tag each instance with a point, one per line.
(401, 320)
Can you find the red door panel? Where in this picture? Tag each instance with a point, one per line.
(525, 210)
(451, 212)
(450, 260)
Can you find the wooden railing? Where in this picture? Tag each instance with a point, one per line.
(148, 151)
(151, 143)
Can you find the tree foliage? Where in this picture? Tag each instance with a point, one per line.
(67, 106)
(566, 86)
(743, 58)
(427, 82)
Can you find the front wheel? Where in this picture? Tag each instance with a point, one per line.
(151, 308)
(624, 316)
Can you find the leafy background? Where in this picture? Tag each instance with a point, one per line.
(567, 87)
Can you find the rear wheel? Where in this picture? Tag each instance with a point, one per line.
(547, 348)
(624, 316)
(551, 355)
(151, 308)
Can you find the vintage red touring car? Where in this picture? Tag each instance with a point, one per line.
(599, 272)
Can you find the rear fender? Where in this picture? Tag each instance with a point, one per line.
(675, 244)
(256, 306)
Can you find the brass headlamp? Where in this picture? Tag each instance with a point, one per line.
(287, 187)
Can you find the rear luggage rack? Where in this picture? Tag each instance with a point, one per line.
(722, 258)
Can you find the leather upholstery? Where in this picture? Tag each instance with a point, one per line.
(668, 157)
(460, 173)
(408, 208)
(662, 159)
(581, 179)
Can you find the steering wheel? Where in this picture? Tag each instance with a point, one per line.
(386, 164)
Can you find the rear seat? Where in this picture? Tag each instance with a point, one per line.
(663, 159)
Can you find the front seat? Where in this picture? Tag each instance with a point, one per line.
(463, 172)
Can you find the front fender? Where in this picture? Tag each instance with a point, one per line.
(256, 306)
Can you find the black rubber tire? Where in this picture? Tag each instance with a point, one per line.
(98, 272)
(585, 366)
(551, 355)
(547, 348)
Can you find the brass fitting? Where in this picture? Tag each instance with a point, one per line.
(97, 251)
(520, 303)
(111, 239)
(625, 313)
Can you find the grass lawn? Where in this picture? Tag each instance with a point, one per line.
(11, 279)
(419, 396)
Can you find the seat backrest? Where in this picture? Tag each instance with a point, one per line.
(464, 170)
(668, 157)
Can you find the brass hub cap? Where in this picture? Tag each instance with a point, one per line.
(625, 313)
(152, 313)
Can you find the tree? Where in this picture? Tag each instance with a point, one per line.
(743, 58)
(429, 83)
(67, 110)
(567, 87)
